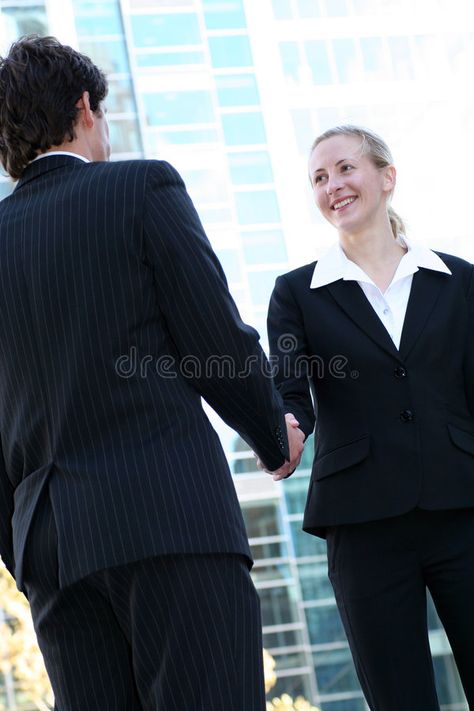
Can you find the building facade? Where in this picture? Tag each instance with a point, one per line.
(232, 92)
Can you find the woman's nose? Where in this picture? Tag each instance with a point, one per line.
(333, 184)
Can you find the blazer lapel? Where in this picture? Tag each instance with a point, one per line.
(425, 290)
(353, 301)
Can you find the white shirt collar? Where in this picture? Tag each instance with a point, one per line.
(60, 153)
(334, 265)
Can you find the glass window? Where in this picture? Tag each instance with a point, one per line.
(346, 60)
(336, 8)
(284, 638)
(120, 99)
(365, 7)
(24, 21)
(295, 492)
(243, 129)
(159, 3)
(250, 167)
(6, 188)
(82, 4)
(275, 572)
(261, 286)
(237, 90)
(215, 214)
(230, 51)
(373, 57)
(290, 59)
(264, 247)
(294, 685)
(303, 128)
(99, 19)
(278, 605)
(160, 59)
(178, 107)
(305, 544)
(431, 57)
(355, 703)
(434, 623)
(308, 454)
(328, 117)
(290, 660)
(309, 8)
(282, 9)
(245, 465)
(206, 185)
(400, 52)
(261, 519)
(224, 15)
(335, 671)
(165, 30)
(193, 135)
(258, 206)
(324, 625)
(314, 581)
(125, 136)
(230, 260)
(448, 684)
(269, 550)
(110, 55)
(318, 60)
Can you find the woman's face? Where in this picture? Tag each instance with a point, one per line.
(349, 190)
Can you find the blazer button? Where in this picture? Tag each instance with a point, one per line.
(407, 416)
(400, 372)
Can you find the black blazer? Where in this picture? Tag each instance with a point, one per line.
(394, 429)
(114, 313)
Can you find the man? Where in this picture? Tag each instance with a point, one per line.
(118, 515)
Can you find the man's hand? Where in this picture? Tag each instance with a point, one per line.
(296, 443)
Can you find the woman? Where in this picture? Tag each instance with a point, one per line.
(382, 332)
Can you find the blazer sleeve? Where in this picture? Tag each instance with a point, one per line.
(203, 321)
(469, 356)
(289, 354)
(6, 513)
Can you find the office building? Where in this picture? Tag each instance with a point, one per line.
(232, 92)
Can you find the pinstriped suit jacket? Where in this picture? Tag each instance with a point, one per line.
(112, 304)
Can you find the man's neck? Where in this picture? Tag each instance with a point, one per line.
(76, 146)
(60, 153)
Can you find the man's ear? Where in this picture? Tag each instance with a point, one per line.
(87, 115)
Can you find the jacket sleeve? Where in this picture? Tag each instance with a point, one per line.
(289, 354)
(203, 321)
(6, 513)
(469, 355)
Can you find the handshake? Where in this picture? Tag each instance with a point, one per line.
(296, 443)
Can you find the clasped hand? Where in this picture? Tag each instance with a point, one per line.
(296, 444)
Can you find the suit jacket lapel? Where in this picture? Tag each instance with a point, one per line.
(425, 290)
(353, 301)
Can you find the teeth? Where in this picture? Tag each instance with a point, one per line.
(343, 203)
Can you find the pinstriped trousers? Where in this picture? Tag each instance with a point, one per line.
(175, 632)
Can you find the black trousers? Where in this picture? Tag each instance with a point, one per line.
(380, 572)
(169, 633)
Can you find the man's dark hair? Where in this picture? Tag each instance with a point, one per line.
(41, 81)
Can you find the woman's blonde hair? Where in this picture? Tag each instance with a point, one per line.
(378, 151)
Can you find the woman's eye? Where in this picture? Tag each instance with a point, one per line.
(347, 167)
(318, 179)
